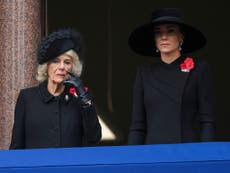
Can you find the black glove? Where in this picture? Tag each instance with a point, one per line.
(76, 82)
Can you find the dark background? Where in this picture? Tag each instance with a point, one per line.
(111, 65)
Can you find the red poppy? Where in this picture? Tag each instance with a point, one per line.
(72, 91)
(187, 65)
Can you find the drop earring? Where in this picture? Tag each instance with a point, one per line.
(180, 45)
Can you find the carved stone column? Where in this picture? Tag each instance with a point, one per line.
(20, 30)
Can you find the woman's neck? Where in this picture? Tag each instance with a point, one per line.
(55, 88)
(169, 58)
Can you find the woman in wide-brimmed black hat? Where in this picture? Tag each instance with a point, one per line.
(170, 93)
(59, 112)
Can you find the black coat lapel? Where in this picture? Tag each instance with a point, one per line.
(169, 80)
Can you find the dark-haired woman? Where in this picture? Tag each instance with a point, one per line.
(170, 93)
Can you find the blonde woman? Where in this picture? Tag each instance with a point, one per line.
(59, 112)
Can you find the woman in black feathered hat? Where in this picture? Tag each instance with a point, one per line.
(59, 112)
(170, 93)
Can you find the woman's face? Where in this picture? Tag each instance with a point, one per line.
(167, 38)
(58, 67)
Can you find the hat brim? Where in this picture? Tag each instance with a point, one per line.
(141, 40)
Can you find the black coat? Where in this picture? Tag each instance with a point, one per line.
(166, 102)
(43, 121)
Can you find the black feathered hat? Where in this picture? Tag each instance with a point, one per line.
(59, 42)
(142, 42)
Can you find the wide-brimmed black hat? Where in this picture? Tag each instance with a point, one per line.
(142, 42)
(59, 42)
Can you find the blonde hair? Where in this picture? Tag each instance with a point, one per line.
(42, 69)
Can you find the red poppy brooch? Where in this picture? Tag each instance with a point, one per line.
(73, 91)
(187, 65)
